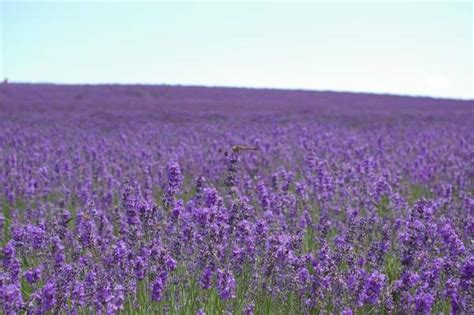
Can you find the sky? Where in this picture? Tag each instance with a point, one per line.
(423, 48)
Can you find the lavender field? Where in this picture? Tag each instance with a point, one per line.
(188, 200)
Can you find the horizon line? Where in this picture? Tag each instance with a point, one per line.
(243, 87)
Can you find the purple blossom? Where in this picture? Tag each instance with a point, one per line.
(373, 287)
(33, 275)
(346, 311)
(48, 297)
(424, 301)
(158, 286)
(11, 298)
(226, 285)
(175, 178)
(206, 278)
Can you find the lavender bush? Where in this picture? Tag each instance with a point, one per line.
(141, 199)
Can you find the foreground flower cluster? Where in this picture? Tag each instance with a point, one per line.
(344, 212)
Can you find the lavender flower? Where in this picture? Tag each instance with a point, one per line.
(226, 285)
(33, 275)
(158, 286)
(206, 278)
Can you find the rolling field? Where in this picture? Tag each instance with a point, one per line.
(190, 200)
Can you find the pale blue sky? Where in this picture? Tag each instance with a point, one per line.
(402, 48)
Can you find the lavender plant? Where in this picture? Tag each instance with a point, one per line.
(219, 201)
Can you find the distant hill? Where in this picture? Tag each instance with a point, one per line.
(176, 103)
